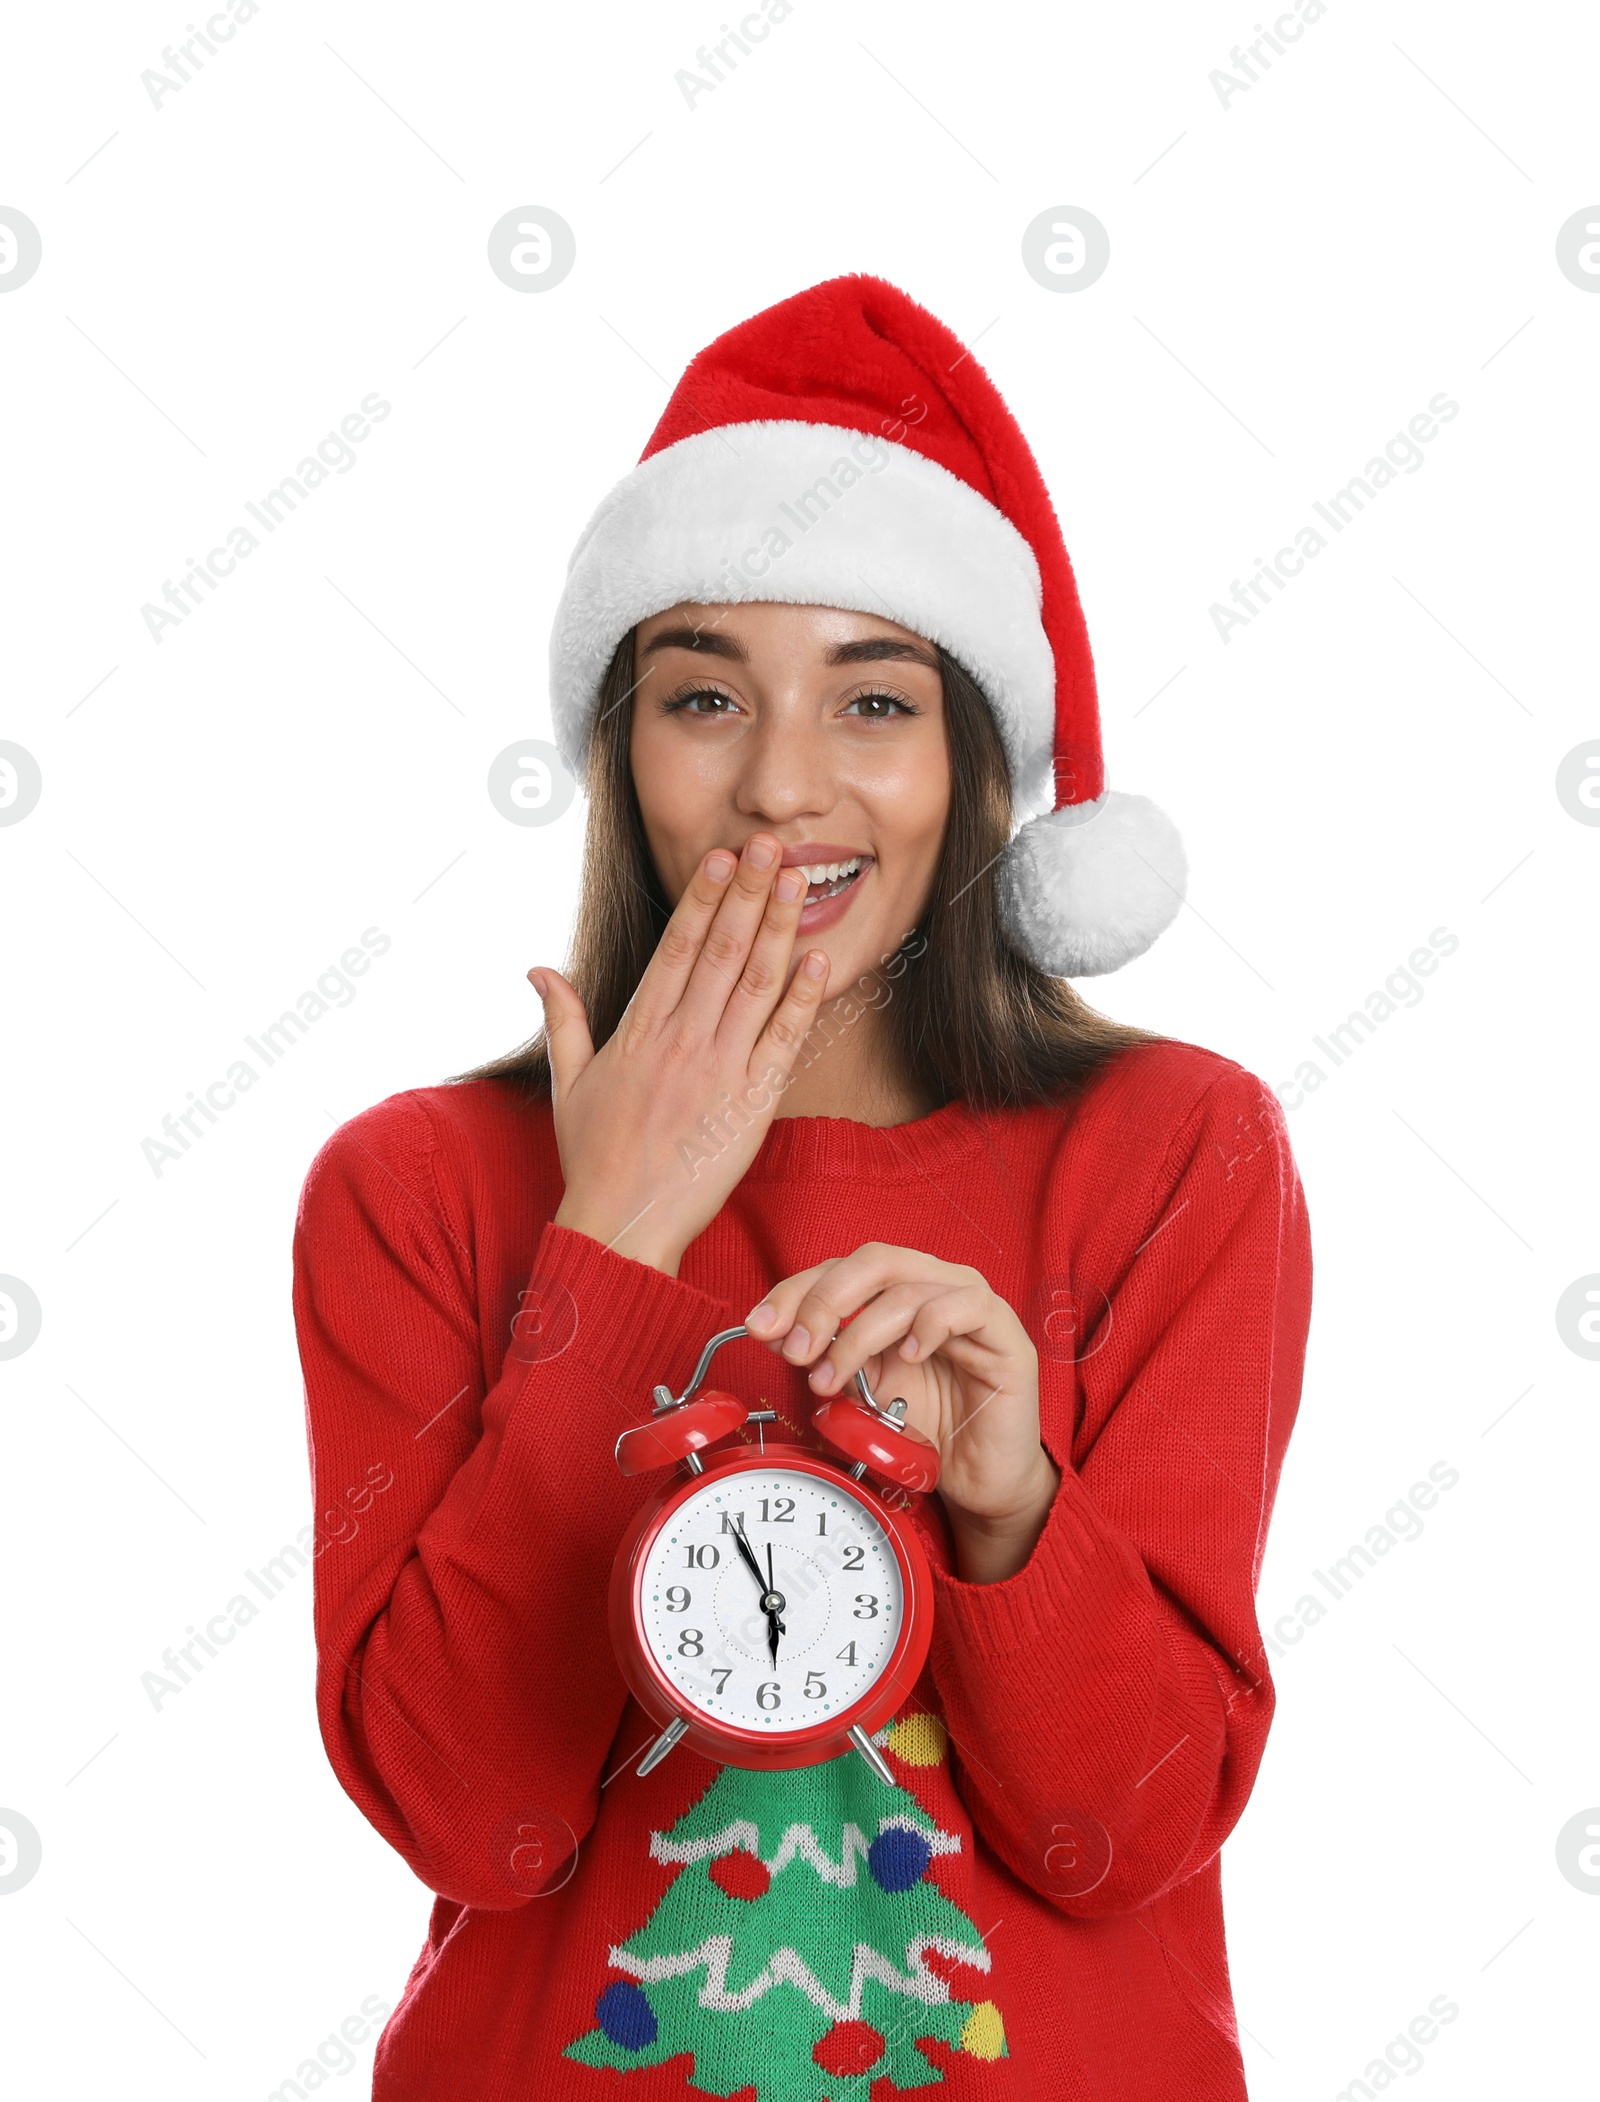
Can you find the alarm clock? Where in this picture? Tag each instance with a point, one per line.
(770, 1609)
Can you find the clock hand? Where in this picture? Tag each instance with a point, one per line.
(773, 1592)
(754, 1567)
(775, 1626)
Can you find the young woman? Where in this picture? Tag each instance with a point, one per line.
(814, 1067)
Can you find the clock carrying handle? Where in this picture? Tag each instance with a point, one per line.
(664, 1396)
(873, 1435)
(680, 1429)
(666, 1399)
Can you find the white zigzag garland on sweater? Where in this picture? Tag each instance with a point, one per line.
(799, 1839)
(787, 1967)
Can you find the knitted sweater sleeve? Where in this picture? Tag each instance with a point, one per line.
(1108, 1704)
(465, 1684)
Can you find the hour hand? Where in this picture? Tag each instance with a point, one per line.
(773, 1604)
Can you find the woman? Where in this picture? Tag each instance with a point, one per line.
(815, 1069)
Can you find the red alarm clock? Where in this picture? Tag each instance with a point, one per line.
(771, 1610)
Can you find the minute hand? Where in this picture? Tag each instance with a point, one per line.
(775, 1626)
(754, 1567)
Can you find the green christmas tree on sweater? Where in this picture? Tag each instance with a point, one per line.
(789, 1953)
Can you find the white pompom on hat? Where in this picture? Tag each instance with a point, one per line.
(843, 449)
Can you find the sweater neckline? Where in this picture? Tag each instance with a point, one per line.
(838, 1149)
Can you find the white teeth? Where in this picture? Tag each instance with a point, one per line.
(830, 871)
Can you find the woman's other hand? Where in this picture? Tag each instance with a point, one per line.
(939, 1335)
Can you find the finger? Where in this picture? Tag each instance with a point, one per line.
(771, 1320)
(762, 981)
(962, 1312)
(851, 1282)
(726, 942)
(566, 1029)
(662, 982)
(875, 1330)
(778, 1045)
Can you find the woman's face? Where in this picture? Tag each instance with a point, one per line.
(825, 729)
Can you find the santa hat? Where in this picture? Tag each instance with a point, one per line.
(843, 449)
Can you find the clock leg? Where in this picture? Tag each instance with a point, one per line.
(664, 1743)
(869, 1751)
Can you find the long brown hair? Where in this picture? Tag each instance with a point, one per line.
(964, 1012)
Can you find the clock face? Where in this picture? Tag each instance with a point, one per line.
(707, 1618)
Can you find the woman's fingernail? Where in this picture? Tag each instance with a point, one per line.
(823, 1376)
(815, 965)
(908, 1349)
(536, 980)
(759, 1316)
(721, 866)
(798, 1342)
(791, 884)
(763, 853)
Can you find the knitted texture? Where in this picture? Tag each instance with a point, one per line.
(1082, 1740)
(791, 1953)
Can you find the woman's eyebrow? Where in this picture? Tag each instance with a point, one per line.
(706, 640)
(877, 649)
(881, 649)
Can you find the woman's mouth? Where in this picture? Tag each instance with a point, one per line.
(830, 888)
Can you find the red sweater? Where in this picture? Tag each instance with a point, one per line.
(1034, 1911)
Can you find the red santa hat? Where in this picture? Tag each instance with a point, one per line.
(843, 449)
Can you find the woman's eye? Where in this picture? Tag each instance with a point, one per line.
(686, 702)
(876, 707)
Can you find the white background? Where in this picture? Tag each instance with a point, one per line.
(1292, 277)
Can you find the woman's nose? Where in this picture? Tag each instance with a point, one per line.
(785, 773)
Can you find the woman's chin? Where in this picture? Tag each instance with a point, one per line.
(855, 961)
